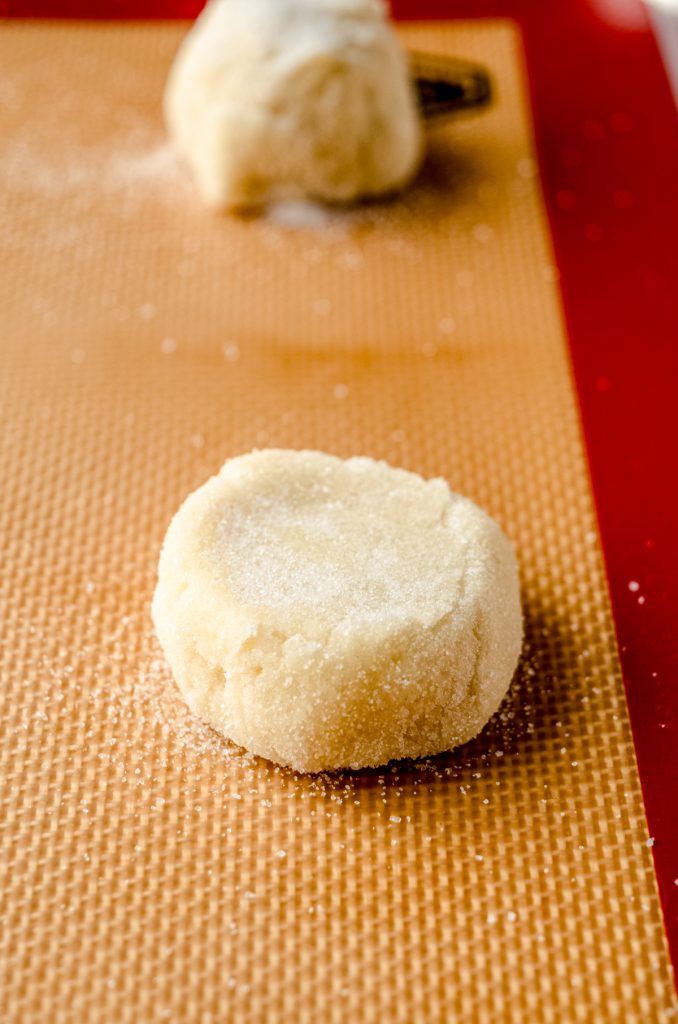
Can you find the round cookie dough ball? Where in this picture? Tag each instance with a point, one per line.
(327, 613)
(289, 99)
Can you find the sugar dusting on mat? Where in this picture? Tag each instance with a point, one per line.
(120, 676)
(137, 697)
(301, 213)
(155, 166)
(25, 167)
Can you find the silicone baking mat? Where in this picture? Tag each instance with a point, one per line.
(153, 871)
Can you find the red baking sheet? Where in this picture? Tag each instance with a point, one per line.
(608, 143)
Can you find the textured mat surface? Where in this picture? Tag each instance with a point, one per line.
(152, 871)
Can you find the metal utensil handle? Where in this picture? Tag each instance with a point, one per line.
(447, 85)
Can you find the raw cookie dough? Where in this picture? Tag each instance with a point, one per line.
(288, 99)
(327, 613)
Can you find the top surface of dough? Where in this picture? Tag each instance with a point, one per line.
(306, 23)
(323, 545)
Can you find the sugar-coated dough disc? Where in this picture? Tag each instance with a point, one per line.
(330, 613)
(273, 100)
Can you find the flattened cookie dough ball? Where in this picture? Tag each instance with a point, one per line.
(290, 99)
(328, 613)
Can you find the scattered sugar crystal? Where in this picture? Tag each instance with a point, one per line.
(649, 842)
(147, 311)
(634, 586)
(526, 167)
(483, 233)
(395, 819)
(350, 260)
(281, 854)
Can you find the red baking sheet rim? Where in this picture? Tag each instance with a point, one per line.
(607, 137)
